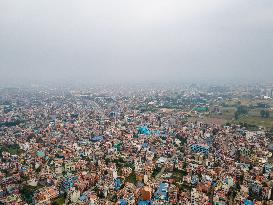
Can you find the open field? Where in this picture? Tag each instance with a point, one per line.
(227, 115)
(248, 102)
(209, 120)
(265, 122)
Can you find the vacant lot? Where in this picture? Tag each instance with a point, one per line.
(209, 120)
(265, 122)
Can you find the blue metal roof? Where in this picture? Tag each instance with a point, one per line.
(248, 202)
(40, 154)
(96, 138)
(122, 202)
(143, 130)
(117, 183)
(162, 192)
(144, 202)
(83, 197)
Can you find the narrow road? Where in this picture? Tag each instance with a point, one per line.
(161, 172)
(98, 108)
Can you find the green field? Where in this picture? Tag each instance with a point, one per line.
(252, 117)
(253, 120)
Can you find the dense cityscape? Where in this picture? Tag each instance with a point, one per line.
(136, 102)
(143, 145)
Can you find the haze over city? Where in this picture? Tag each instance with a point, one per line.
(136, 102)
(136, 41)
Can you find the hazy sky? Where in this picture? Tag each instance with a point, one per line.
(99, 40)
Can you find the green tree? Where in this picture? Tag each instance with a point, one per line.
(27, 192)
(59, 201)
(241, 110)
(267, 114)
(236, 115)
(131, 178)
(262, 113)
